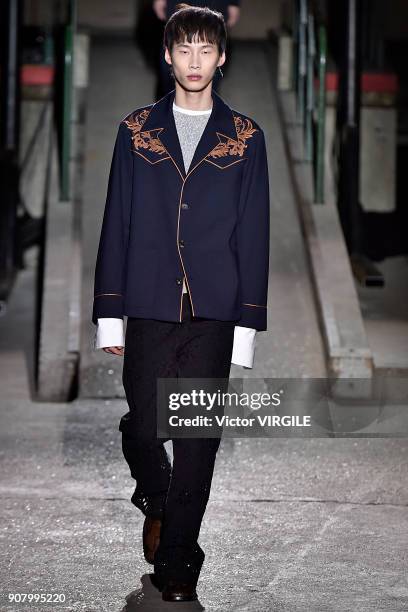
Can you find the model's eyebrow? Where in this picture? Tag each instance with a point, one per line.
(187, 45)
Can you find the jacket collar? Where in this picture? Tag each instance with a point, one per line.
(220, 124)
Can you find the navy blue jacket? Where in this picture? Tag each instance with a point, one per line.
(210, 224)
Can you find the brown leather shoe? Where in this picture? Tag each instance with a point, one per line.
(151, 537)
(179, 591)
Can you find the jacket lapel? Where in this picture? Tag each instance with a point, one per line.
(162, 115)
(220, 127)
(209, 138)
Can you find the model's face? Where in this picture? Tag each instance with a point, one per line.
(194, 64)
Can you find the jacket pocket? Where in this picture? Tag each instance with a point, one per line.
(224, 163)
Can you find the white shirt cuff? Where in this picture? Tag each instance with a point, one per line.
(244, 346)
(109, 332)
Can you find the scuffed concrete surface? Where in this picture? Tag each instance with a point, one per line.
(291, 525)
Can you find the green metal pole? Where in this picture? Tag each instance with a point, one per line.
(302, 59)
(321, 117)
(295, 46)
(310, 89)
(67, 101)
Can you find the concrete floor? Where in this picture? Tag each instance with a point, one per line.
(291, 524)
(306, 525)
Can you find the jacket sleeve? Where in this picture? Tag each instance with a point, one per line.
(110, 273)
(253, 237)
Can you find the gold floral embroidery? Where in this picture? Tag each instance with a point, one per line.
(229, 146)
(144, 140)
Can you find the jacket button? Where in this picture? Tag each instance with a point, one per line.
(184, 205)
(179, 281)
(181, 243)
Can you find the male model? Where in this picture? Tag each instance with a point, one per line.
(184, 254)
(230, 10)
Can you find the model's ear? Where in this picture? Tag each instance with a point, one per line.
(221, 61)
(167, 56)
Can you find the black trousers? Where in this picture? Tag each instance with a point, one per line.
(178, 494)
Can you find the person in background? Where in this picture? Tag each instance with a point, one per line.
(230, 10)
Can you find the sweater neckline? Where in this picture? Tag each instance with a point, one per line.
(188, 111)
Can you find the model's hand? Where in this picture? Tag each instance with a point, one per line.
(233, 15)
(159, 7)
(115, 350)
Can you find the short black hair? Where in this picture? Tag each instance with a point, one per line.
(188, 21)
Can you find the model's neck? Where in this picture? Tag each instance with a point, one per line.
(193, 100)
